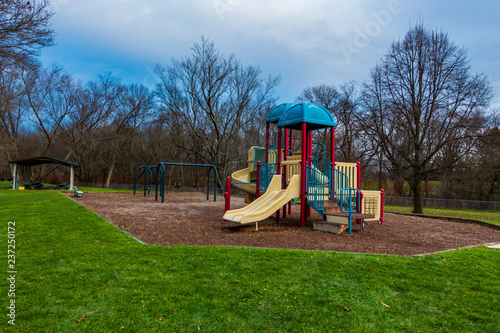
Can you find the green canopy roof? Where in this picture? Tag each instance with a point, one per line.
(315, 116)
(37, 160)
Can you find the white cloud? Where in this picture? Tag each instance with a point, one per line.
(302, 40)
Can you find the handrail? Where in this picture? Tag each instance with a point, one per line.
(339, 181)
(348, 205)
(316, 188)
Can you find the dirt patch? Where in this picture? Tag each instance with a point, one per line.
(190, 219)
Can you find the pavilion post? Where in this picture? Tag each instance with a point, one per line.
(14, 176)
(71, 178)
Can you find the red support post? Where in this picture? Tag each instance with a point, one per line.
(291, 149)
(309, 162)
(257, 181)
(332, 146)
(358, 180)
(303, 212)
(332, 181)
(278, 168)
(382, 194)
(360, 207)
(227, 196)
(332, 163)
(358, 175)
(228, 190)
(267, 141)
(285, 174)
(278, 151)
(286, 144)
(309, 147)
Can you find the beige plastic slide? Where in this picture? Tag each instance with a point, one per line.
(266, 205)
(242, 176)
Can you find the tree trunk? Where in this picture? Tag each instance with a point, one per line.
(131, 172)
(418, 199)
(110, 173)
(113, 162)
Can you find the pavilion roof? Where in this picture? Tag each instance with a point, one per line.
(37, 160)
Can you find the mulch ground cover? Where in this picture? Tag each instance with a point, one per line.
(189, 219)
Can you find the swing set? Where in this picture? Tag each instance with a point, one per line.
(160, 178)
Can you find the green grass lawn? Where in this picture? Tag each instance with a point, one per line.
(479, 215)
(78, 273)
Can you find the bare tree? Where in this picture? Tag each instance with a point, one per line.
(487, 172)
(140, 103)
(24, 30)
(323, 94)
(328, 97)
(85, 139)
(50, 100)
(343, 103)
(421, 97)
(134, 105)
(11, 111)
(213, 97)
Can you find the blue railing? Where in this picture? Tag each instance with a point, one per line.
(350, 199)
(317, 188)
(324, 159)
(321, 187)
(266, 173)
(338, 182)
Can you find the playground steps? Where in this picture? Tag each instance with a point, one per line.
(355, 216)
(331, 207)
(344, 217)
(336, 221)
(336, 228)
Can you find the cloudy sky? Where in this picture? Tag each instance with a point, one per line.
(306, 42)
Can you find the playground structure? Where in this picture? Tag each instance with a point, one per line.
(159, 170)
(329, 187)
